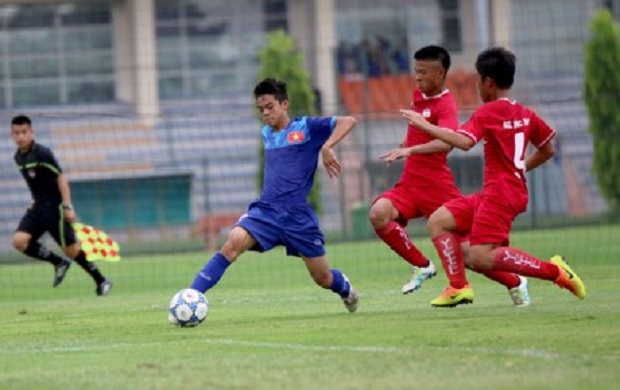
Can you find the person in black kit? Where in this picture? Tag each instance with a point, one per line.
(51, 210)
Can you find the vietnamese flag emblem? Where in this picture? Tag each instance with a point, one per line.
(295, 137)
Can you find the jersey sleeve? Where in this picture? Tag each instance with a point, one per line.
(541, 133)
(48, 160)
(448, 117)
(320, 128)
(473, 128)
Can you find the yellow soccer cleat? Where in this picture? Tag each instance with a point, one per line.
(453, 297)
(568, 279)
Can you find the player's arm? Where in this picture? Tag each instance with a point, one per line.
(63, 185)
(447, 118)
(49, 161)
(448, 136)
(434, 146)
(541, 136)
(540, 156)
(65, 192)
(344, 125)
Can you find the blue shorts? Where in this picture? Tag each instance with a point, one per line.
(294, 226)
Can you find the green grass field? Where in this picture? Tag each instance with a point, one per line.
(269, 327)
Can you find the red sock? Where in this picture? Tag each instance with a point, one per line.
(515, 260)
(449, 250)
(398, 239)
(506, 279)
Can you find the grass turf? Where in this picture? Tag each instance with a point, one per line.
(269, 327)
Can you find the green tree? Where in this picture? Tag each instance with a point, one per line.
(602, 95)
(282, 60)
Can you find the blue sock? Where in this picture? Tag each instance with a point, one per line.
(340, 285)
(211, 273)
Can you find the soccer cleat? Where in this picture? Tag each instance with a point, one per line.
(520, 296)
(60, 270)
(452, 297)
(418, 276)
(350, 302)
(568, 279)
(104, 288)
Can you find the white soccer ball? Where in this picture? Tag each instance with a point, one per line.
(188, 308)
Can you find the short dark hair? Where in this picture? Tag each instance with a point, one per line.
(21, 120)
(498, 64)
(271, 86)
(434, 53)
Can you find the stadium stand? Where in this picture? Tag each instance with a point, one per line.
(217, 141)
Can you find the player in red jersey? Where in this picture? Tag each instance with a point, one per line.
(427, 181)
(506, 127)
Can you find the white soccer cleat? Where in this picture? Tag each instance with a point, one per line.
(418, 276)
(520, 296)
(351, 300)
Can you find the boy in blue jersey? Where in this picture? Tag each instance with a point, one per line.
(282, 215)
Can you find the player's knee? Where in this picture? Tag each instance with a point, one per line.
(230, 251)
(72, 251)
(376, 218)
(238, 241)
(434, 225)
(379, 215)
(439, 222)
(20, 242)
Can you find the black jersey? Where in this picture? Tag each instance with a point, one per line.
(40, 169)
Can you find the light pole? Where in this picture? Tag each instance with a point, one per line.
(6, 13)
(62, 10)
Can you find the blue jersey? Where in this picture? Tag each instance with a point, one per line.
(291, 158)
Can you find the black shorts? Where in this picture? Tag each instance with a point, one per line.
(48, 218)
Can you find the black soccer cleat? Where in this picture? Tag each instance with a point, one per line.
(60, 270)
(104, 288)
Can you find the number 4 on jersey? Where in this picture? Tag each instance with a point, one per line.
(519, 159)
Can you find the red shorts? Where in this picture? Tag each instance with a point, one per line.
(487, 220)
(415, 202)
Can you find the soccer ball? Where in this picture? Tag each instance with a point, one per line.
(188, 308)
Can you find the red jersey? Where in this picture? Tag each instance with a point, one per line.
(430, 170)
(507, 127)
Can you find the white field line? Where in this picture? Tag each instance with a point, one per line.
(529, 353)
